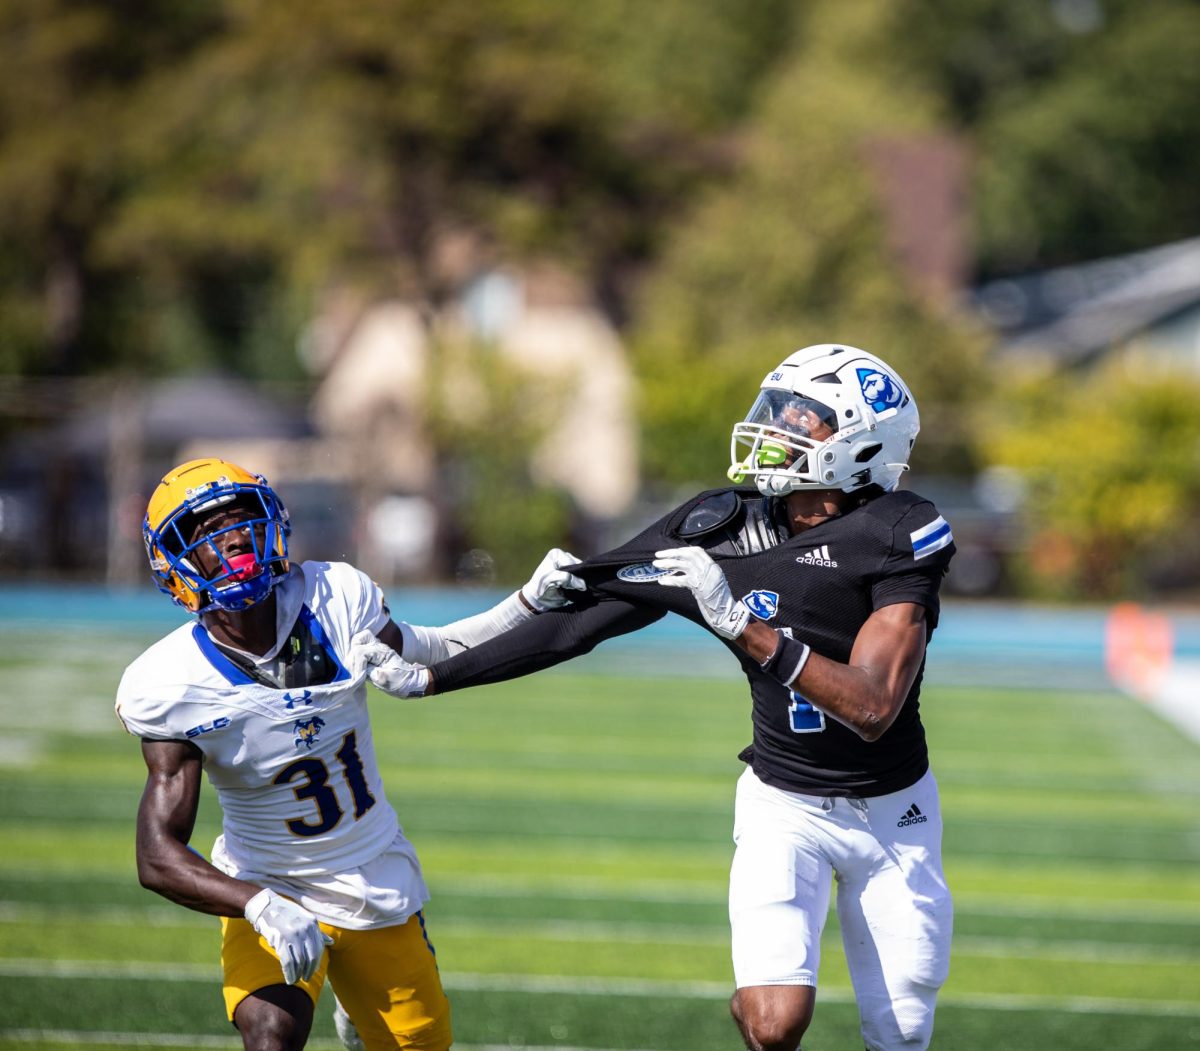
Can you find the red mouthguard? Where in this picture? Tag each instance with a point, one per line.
(243, 566)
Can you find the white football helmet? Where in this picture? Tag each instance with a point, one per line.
(829, 417)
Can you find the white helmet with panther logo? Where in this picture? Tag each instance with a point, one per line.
(829, 417)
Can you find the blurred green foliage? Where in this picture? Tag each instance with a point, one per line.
(482, 430)
(1111, 465)
(166, 167)
(181, 182)
(790, 250)
(1091, 162)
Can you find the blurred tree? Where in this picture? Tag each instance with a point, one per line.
(971, 51)
(500, 515)
(1101, 159)
(1081, 115)
(180, 177)
(177, 178)
(792, 250)
(71, 69)
(1110, 461)
(359, 143)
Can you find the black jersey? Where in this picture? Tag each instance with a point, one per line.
(822, 584)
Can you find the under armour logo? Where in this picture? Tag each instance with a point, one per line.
(293, 699)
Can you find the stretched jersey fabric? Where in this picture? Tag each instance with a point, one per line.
(822, 585)
(287, 744)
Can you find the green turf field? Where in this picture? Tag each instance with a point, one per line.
(575, 832)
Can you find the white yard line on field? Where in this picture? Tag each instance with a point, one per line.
(1023, 906)
(1092, 950)
(646, 987)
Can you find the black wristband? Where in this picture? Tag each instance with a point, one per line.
(788, 660)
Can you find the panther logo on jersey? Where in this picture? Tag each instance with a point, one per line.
(879, 390)
(763, 604)
(307, 730)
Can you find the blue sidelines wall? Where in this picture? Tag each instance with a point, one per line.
(977, 643)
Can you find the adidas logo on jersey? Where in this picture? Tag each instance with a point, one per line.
(912, 816)
(818, 556)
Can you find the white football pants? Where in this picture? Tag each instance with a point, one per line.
(892, 901)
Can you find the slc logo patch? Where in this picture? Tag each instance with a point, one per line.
(307, 730)
(763, 604)
(879, 390)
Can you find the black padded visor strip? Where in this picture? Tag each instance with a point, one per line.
(727, 504)
(710, 513)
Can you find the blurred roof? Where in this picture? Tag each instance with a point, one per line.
(182, 409)
(1075, 313)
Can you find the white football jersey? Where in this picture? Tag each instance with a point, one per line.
(303, 805)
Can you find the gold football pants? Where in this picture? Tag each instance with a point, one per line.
(386, 978)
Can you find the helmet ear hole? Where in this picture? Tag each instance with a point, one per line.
(868, 452)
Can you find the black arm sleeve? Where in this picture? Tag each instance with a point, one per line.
(614, 605)
(541, 642)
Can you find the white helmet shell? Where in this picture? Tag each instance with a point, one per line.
(829, 417)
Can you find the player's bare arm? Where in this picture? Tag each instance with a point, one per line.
(166, 817)
(866, 694)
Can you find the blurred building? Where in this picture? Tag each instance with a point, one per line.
(361, 451)
(1143, 307)
(392, 376)
(74, 482)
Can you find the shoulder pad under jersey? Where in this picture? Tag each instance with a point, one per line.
(711, 512)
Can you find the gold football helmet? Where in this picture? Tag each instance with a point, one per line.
(175, 532)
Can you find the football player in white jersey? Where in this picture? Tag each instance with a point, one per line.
(312, 876)
(822, 579)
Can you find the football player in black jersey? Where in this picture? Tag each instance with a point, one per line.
(823, 582)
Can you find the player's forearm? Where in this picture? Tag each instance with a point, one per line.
(853, 696)
(509, 656)
(182, 876)
(864, 698)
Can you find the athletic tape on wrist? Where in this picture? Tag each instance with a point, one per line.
(788, 660)
(257, 905)
(736, 621)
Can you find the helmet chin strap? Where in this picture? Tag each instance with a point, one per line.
(234, 598)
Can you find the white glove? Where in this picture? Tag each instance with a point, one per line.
(692, 568)
(386, 668)
(545, 589)
(292, 931)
